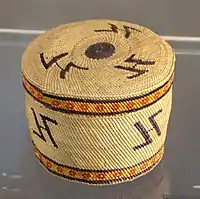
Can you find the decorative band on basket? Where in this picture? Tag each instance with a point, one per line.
(99, 176)
(97, 107)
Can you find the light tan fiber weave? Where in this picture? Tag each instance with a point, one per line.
(98, 99)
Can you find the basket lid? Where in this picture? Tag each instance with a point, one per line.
(98, 59)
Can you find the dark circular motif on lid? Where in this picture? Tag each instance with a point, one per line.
(100, 50)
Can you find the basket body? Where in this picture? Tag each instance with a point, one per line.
(98, 114)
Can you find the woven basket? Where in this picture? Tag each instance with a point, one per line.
(98, 100)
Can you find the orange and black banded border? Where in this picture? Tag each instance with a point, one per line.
(97, 107)
(99, 176)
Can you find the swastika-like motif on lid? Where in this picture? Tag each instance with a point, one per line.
(98, 59)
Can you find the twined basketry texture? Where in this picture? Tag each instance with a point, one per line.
(98, 97)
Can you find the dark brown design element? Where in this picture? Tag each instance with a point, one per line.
(115, 29)
(145, 133)
(52, 61)
(138, 72)
(100, 50)
(55, 60)
(154, 123)
(46, 127)
(131, 59)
